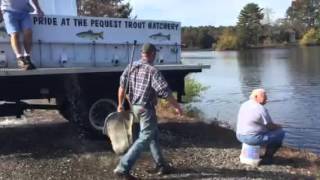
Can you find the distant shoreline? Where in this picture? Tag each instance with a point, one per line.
(272, 46)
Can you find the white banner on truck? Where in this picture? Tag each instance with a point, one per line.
(73, 41)
(70, 29)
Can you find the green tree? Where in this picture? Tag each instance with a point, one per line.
(249, 28)
(281, 31)
(204, 40)
(200, 37)
(104, 8)
(312, 37)
(189, 36)
(227, 41)
(304, 14)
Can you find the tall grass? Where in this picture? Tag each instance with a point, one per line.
(193, 91)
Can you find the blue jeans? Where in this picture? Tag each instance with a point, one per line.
(268, 138)
(17, 21)
(148, 136)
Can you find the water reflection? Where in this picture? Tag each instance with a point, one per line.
(250, 67)
(290, 76)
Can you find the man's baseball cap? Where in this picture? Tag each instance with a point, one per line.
(148, 48)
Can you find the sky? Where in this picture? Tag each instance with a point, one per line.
(202, 12)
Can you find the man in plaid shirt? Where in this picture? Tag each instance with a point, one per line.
(146, 83)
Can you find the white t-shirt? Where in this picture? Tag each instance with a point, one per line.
(252, 118)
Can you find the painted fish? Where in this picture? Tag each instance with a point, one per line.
(160, 37)
(3, 32)
(90, 35)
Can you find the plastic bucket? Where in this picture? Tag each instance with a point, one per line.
(250, 154)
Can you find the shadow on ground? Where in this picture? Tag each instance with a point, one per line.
(49, 140)
(46, 139)
(200, 134)
(218, 173)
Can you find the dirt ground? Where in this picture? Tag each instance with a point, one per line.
(43, 145)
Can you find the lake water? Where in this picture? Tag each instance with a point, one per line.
(290, 76)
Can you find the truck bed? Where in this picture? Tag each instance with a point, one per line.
(86, 70)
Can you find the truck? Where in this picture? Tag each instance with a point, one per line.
(79, 61)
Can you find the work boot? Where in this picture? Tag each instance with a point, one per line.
(266, 161)
(163, 170)
(271, 149)
(123, 175)
(25, 63)
(160, 170)
(28, 64)
(20, 62)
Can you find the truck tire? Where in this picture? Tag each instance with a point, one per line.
(99, 111)
(72, 104)
(63, 106)
(83, 107)
(73, 110)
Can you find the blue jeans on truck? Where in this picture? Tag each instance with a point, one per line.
(148, 136)
(17, 21)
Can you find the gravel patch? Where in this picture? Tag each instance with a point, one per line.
(45, 146)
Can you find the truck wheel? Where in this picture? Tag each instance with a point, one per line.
(74, 110)
(83, 106)
(63, 106)
(99, 111)
(73, 103)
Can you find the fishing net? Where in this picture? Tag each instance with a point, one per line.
(118, 127)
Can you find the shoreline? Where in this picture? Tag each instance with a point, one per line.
(163, 115)
(300, 161)
(226, 127)
(272, 46)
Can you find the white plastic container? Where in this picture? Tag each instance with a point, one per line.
(250, 155)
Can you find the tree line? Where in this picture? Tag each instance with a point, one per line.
(104, 8)
(255, 28)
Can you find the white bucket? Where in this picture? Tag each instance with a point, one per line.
(250, 154)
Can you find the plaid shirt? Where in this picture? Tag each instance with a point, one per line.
(146, 83)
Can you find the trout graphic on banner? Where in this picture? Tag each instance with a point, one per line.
(160, 37)
(90, 35)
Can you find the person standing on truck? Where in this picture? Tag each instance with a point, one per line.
(16, 16)
(146, 83)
